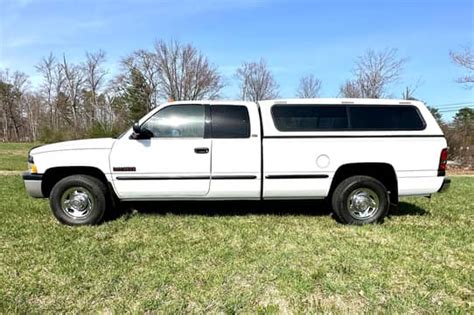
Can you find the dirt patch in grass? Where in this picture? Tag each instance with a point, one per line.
(460, 171)
(10, 173)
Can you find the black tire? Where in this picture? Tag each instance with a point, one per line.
(83, 190)
(370, 190)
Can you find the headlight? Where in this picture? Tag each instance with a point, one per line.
(31, 165)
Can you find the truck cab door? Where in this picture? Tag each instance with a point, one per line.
(174, 162)
(236, 152)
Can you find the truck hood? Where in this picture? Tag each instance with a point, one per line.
(100, 143)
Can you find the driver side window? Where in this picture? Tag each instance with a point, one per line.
(184, 121)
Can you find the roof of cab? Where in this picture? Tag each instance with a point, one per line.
(211, 102)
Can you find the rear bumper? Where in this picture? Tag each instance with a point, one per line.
(33, 184)
(445, 186)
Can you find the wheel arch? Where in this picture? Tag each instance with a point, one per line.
(55, 174)
(384, 172)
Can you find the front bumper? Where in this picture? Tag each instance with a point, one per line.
(33, 184)
(445, 186)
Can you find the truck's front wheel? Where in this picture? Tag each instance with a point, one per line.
(360, 200)
(78, 200)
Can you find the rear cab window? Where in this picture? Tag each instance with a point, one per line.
(230, 121)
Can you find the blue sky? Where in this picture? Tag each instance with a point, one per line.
(296, 37)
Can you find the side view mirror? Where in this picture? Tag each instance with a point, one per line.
(136, 128)
(140, 133)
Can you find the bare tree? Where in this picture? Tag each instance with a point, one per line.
(409, 92)
(93, 82)
(46, 68)
(185, 73)
(460, 135)
(374, 72)
(74, 79)
(53, 92)
(12, 89)
(33, 114)
(256, 81)
(309, 87)
(350, 89)
(465, 59)
(60, 99)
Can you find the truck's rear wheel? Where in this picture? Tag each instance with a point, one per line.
(79, 200)
(360, 200)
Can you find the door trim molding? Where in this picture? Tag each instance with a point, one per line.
(234, 177)
(351, 136)
(161, 177)
(197, 177)
(296, 176)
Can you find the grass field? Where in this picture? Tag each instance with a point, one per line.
(13, 156)
(231, 257)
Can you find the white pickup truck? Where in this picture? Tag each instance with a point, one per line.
(362, 154)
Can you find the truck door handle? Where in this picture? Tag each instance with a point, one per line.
(201, 150)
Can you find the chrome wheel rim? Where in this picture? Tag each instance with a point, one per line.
(363, 203)
(76, 202)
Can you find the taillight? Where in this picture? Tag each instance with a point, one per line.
(443, 161)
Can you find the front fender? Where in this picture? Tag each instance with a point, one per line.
(96, 158)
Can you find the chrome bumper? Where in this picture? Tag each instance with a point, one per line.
(445, 186)
(33, 184)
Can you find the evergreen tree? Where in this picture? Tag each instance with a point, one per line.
(137, 96)
(437, 115)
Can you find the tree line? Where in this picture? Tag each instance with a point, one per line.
(83, 99)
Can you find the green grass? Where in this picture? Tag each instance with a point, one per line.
(230, 258)
(13, 156)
